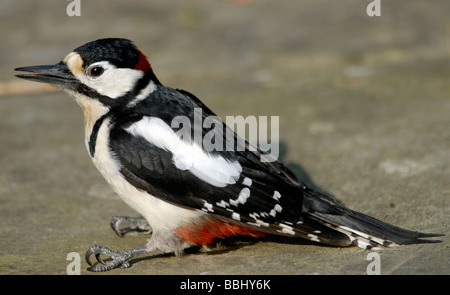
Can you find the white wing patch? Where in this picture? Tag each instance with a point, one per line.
(214, 170)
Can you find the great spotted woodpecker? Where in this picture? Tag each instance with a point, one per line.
(187, 194)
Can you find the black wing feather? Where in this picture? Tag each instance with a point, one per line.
(151, 168)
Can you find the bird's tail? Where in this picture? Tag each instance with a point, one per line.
(335, 224)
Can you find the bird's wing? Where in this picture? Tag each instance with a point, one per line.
(239, 188)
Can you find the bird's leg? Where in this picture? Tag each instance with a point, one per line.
(129, 224)
(161, 242)
(119, 259)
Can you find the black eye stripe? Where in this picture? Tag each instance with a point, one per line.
(96, 71)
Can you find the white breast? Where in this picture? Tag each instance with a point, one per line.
(158, 213)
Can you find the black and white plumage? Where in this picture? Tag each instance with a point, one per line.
(188, 195)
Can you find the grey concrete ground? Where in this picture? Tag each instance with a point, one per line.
(364, 107)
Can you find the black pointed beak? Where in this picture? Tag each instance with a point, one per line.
(57, 75)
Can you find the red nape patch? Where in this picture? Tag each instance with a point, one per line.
(142, 64)
(206, 232)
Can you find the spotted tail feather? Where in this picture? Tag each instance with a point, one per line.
(357, 229)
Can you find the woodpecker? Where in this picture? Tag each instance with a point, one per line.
(188, 195)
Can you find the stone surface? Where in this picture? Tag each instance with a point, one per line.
(363, 104)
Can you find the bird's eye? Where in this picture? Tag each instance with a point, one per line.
(96, 71)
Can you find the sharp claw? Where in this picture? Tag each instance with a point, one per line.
(130, 224)
(99, 259)
(115, 224)
(96, 250)
(119, 259)
(88, 254)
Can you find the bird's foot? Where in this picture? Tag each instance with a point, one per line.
(119, 259)
(129, 224)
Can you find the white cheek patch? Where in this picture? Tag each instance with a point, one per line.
(114, 82)
(214, 170)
